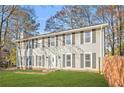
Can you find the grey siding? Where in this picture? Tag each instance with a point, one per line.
(93, 60)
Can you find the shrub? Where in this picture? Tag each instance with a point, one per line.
(113, 69)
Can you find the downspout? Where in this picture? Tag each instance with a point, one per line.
(102, 48)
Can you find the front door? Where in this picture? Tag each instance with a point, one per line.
(52, 61)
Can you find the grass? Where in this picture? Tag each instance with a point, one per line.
(53, 79)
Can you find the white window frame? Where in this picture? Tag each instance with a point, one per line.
(85, 36)
(66, 60)
(90, 60)
(70, 37)
(53, 41)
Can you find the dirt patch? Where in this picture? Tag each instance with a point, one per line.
(40, 73)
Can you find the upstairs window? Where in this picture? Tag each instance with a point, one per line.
(87, 37)
(35, 43)
(52, 41)
(68, 39)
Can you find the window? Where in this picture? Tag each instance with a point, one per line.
(52, 41)
(36, 43)
(68, 39)
(68, 60)
(87, 60)
(29, 42)
(87, 37)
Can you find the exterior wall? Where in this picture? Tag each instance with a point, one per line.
(58, 51)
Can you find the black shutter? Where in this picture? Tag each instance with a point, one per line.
(73, 60)
(32, 60)
(56, 40)
(63, 40)
(43, 60)
(73, 38)
(43, 42)
(81, 38)
(82, 60)
(56, 61)
(93, 60)
(94, 36)
(36, 60)
(48, 41)
(32, 43)
(63, 60)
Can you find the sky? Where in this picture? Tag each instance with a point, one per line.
(43, 13)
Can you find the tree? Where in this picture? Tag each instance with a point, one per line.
(70, 17)
(14, 21)
(113, 15)
(12, 56)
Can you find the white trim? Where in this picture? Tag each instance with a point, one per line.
(90, 37)
(90, 60)
(66, 60)
(65, 32)
(53, 63)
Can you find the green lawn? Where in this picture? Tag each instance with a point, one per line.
(53, 79)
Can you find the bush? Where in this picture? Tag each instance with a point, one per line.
(113, 69)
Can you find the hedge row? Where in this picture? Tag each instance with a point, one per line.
(113, 69)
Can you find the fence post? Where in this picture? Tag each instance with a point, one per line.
(99, 65)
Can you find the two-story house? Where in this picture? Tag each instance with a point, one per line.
(78, 49)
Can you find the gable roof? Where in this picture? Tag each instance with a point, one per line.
(65, 32)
